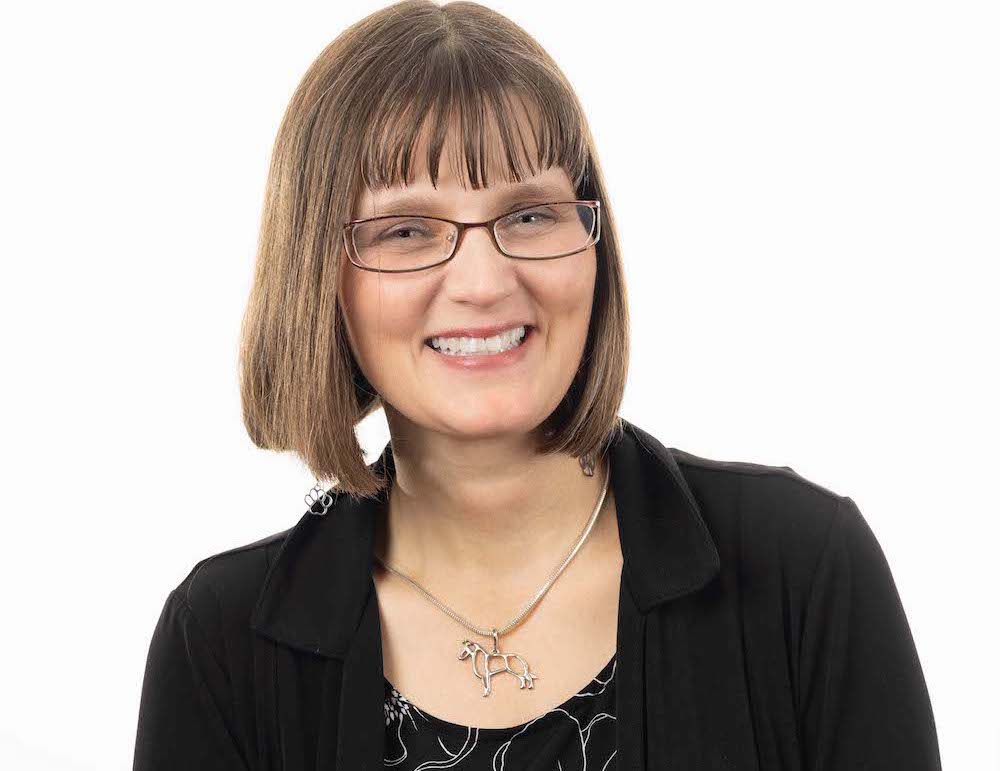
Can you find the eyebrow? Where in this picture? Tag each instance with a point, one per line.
(416, 203)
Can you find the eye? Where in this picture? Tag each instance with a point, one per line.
(514, 208)
(531, 216)
(405, 228)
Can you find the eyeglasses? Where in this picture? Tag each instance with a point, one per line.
(403, 243)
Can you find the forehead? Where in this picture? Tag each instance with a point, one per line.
(421, 197)
(501, 178)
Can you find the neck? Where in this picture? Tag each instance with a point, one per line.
(485, 512)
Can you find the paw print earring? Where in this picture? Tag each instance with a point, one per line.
(317, 495)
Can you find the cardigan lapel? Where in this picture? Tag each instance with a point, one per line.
(630, 689)
(667, 553)
(361, 733)
(319, 594)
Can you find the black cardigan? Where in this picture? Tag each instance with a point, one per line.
(759, 627)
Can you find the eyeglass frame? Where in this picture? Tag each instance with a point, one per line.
(490, 226)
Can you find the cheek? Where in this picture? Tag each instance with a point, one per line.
(565, 288)
(382, 313)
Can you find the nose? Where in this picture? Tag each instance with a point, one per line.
(478, 272)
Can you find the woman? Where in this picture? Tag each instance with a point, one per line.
(522, 579)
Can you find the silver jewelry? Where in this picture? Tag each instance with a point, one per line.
(317, 493)
(479, 655)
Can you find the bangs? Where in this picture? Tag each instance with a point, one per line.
(498, 119)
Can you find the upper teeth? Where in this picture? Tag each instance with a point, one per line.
(501, 342)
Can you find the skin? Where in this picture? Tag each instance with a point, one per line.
(476, 515)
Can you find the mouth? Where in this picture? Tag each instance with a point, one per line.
(481, 346)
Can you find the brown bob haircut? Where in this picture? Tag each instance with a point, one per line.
(353, 120)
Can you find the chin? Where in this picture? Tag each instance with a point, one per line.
(495, 423)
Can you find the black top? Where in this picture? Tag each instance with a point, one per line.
(759, 627)
(577, 735)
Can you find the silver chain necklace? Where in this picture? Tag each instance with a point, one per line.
(479, 655)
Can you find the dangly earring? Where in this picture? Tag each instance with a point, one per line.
(587, 464)
(320, 495)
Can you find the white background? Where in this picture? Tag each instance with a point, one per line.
(808, 204)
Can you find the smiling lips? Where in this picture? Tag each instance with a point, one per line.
(470, 353)
(466, 345)
(489, 330)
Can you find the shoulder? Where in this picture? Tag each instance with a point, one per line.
(759, 494)
(756, 485)
(220, 590)
(766, 517)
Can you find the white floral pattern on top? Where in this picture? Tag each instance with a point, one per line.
(578, 735)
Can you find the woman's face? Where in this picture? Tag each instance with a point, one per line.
(391, 316)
